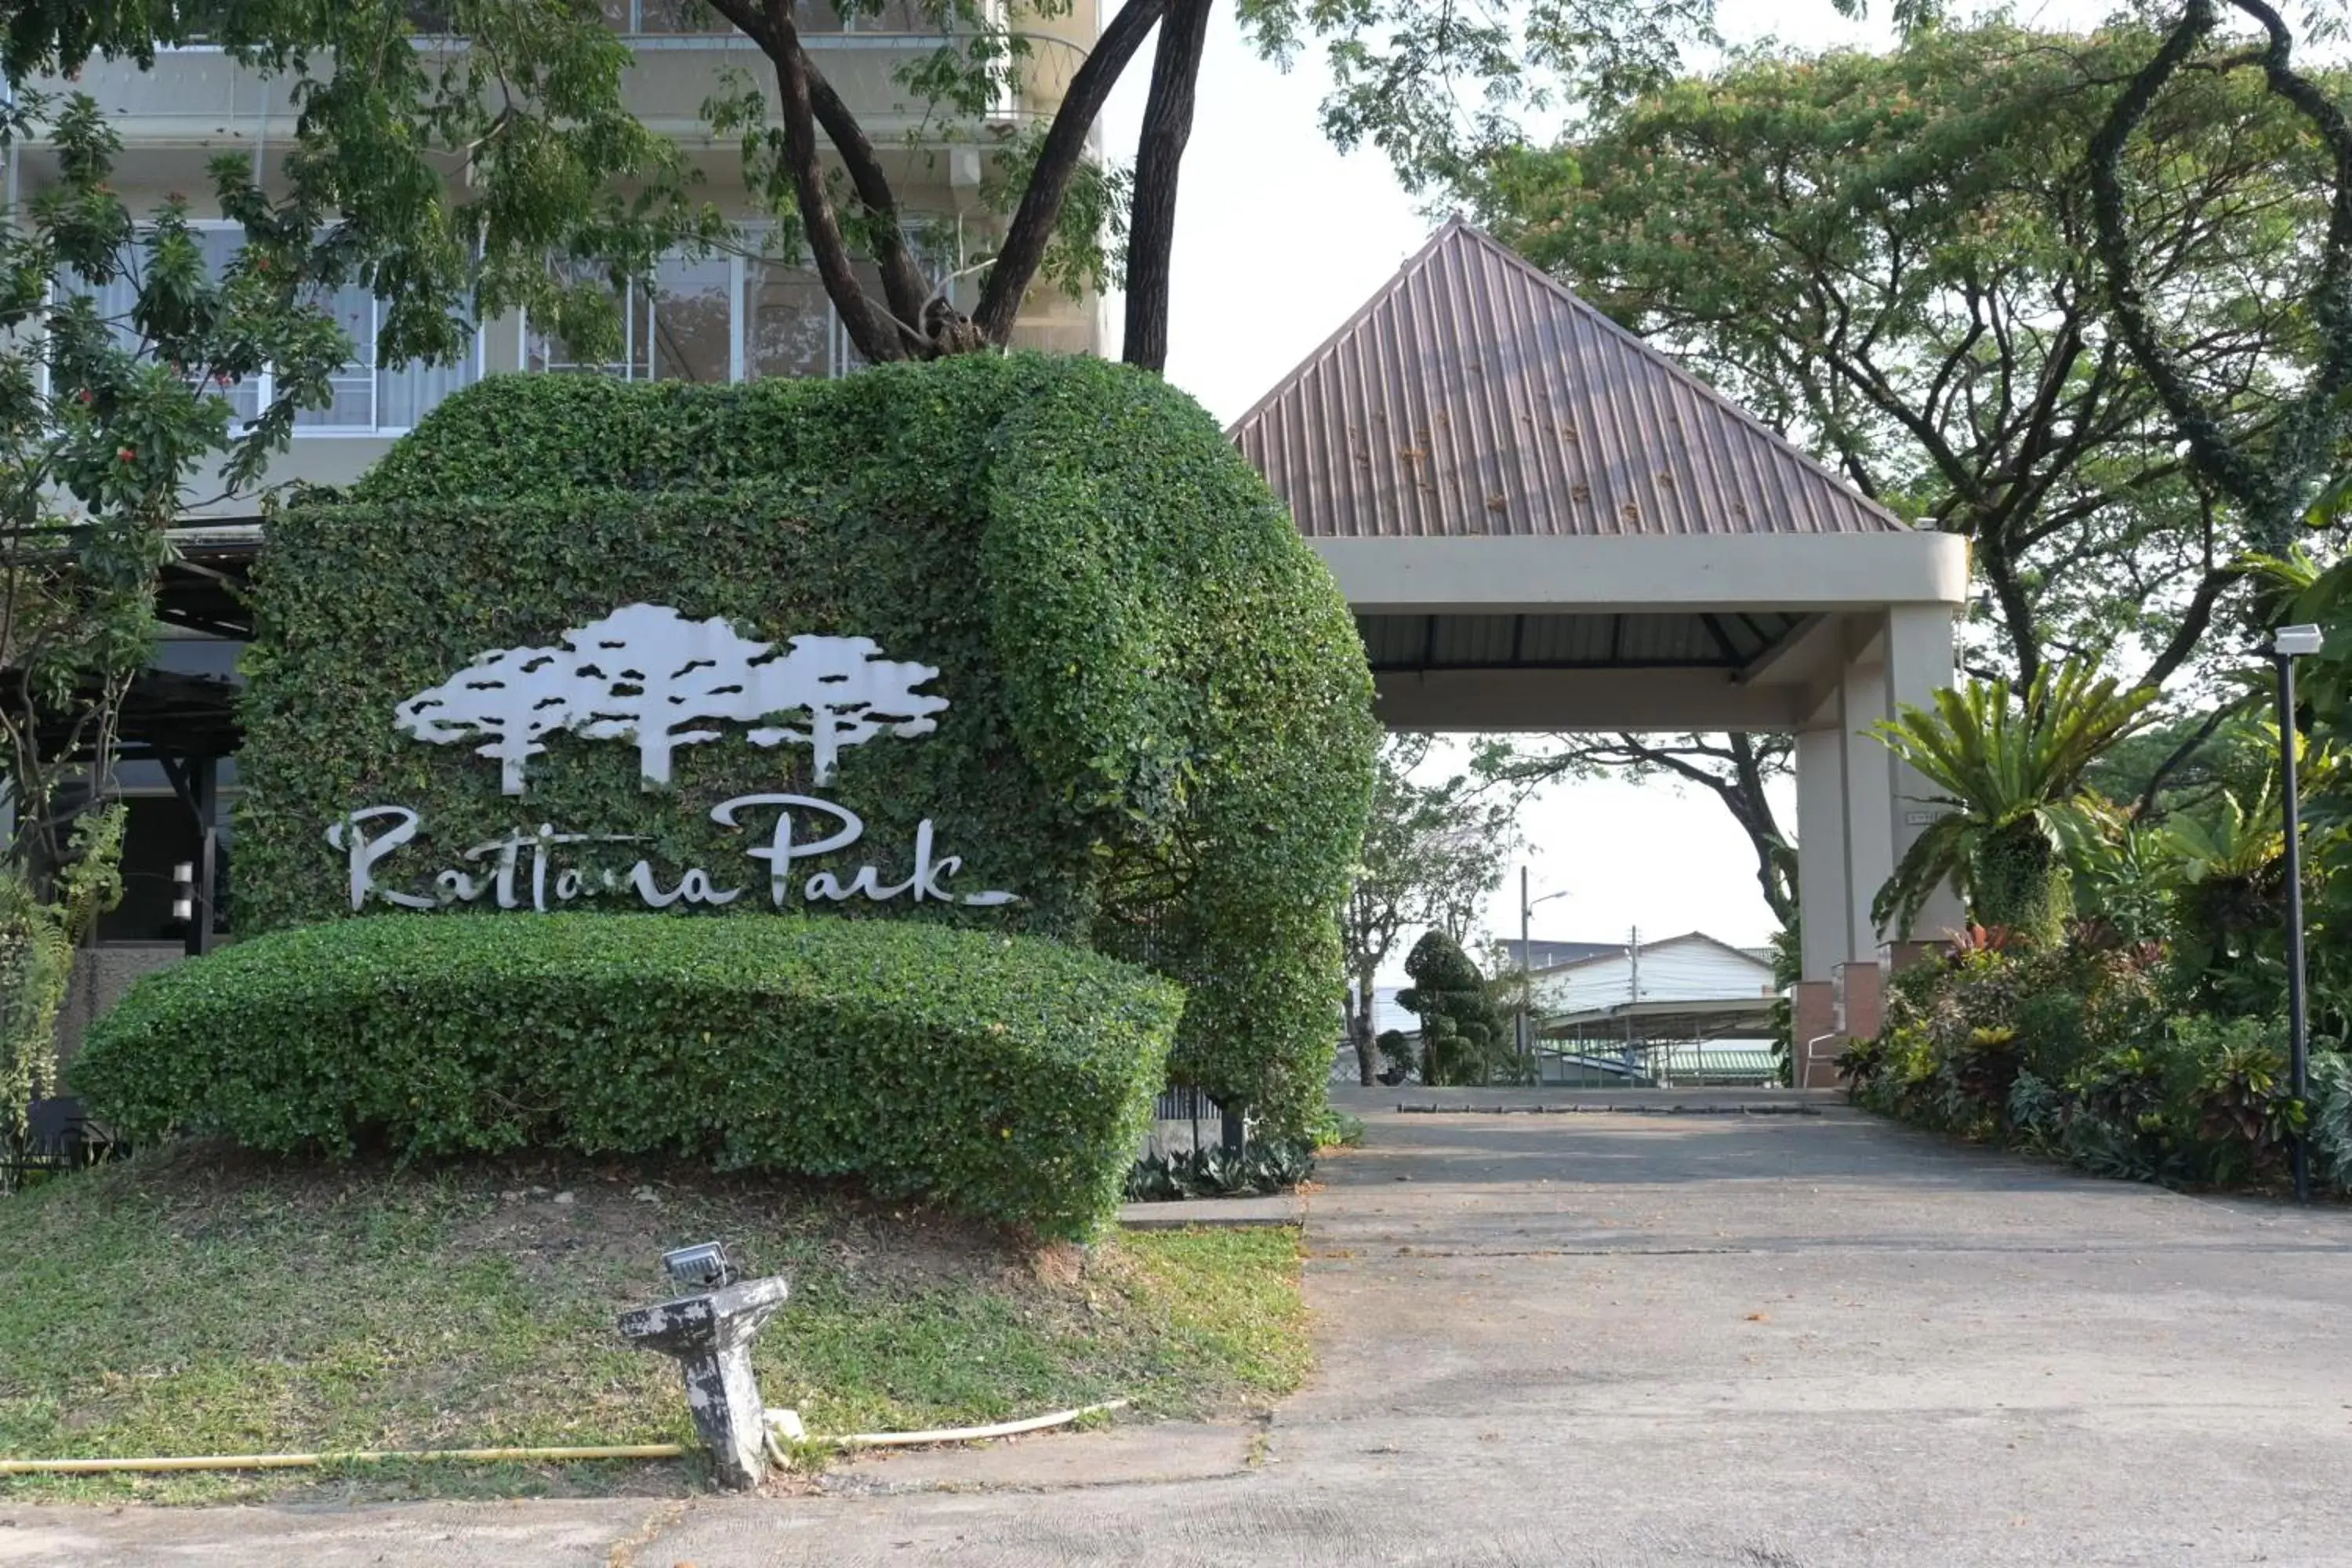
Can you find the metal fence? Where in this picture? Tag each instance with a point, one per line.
(57, 1139)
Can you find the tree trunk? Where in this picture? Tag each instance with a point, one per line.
(2014, 884)
(1159, 156)
(1367, 1051)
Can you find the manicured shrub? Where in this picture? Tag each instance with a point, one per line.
(1007, 1077)
(1159, 731)
(1464, 1037)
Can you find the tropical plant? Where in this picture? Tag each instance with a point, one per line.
(2010, 774)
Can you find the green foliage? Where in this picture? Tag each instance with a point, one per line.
(37, 939)
(1891, 255)
(2012, 777)
(2072, 1051)
(1004, 1077)
(1464, 1038)
(1159, 731)
(1268, 1165)
(1433, 851)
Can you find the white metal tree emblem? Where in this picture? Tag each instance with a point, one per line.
(645, 673)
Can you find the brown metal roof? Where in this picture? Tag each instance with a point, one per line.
(1475, 395)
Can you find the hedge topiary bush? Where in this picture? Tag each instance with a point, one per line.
(1159, 733)
(1007, 1077)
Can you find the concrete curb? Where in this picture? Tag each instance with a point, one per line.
(1278, 1208)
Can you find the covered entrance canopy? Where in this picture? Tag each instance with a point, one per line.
(1543, 524)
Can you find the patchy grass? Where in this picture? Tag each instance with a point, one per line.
(198, 1302)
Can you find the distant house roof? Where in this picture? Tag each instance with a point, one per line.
(1475, 395)
(1544, 954)
(1761, 957)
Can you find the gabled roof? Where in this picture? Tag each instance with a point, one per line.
(1543, 954)
(1475, 395)
(1750, 955)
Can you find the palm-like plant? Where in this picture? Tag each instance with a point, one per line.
(2011, 777)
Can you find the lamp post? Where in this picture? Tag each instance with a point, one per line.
(1527, 964)
(2288, 644)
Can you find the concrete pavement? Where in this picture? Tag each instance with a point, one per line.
(1681, 1338)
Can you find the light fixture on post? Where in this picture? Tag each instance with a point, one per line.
(2287, 645)
(183, 891)
(1527, 966)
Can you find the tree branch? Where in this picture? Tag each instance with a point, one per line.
(1025, 238)
(872, 330)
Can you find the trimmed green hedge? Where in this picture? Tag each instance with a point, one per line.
(1159, 732)
(1006, 1076)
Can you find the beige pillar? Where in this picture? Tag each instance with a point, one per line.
(1869, 776)
(1919, 664)
(1825, 911)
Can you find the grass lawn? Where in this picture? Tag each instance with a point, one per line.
(200, 1302)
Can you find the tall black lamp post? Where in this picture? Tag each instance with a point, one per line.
(2288, 644)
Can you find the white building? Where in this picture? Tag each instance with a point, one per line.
(1688, 1009)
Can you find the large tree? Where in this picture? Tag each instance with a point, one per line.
(1896, 259)
(2269, 446)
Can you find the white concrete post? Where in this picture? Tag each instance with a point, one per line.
(1919, 662)
(1824, 912)
(1869, 770)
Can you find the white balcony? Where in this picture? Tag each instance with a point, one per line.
(198, 98)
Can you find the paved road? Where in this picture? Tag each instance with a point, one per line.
(1784, 1342)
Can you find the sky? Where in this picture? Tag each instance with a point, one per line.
(1279, 237)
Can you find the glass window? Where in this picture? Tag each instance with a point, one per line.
(364, 395)
(721, 318)
(115, 300)
(690, 321)
(788, 326)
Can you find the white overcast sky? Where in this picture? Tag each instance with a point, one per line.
(1279, 239)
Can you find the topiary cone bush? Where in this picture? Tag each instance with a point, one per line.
(1158, 729)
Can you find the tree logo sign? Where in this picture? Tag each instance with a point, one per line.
(646, 674)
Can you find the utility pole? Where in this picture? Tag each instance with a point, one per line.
(1526, 1033)
(1632, 988)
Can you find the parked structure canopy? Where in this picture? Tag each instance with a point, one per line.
(1545, 523)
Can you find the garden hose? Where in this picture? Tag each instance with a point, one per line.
(776, 1418)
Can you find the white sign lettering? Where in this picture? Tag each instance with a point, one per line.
(647, 674)
(525, 870)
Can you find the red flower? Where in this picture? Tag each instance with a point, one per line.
(83, 394)
(126, 454)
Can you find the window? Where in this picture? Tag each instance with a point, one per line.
(115, 300)
(366, 399)
(694, 19)
(369, 398)
(720, 318)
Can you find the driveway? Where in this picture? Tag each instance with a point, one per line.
(1791, 1340)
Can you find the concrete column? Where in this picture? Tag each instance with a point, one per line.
(1869, 772)
(1919, 663)
(1815, 1041)
(1825, 911)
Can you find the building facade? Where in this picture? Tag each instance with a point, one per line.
(750, 310)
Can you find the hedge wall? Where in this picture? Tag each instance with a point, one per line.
(1159, 733)
(1006, 1076)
